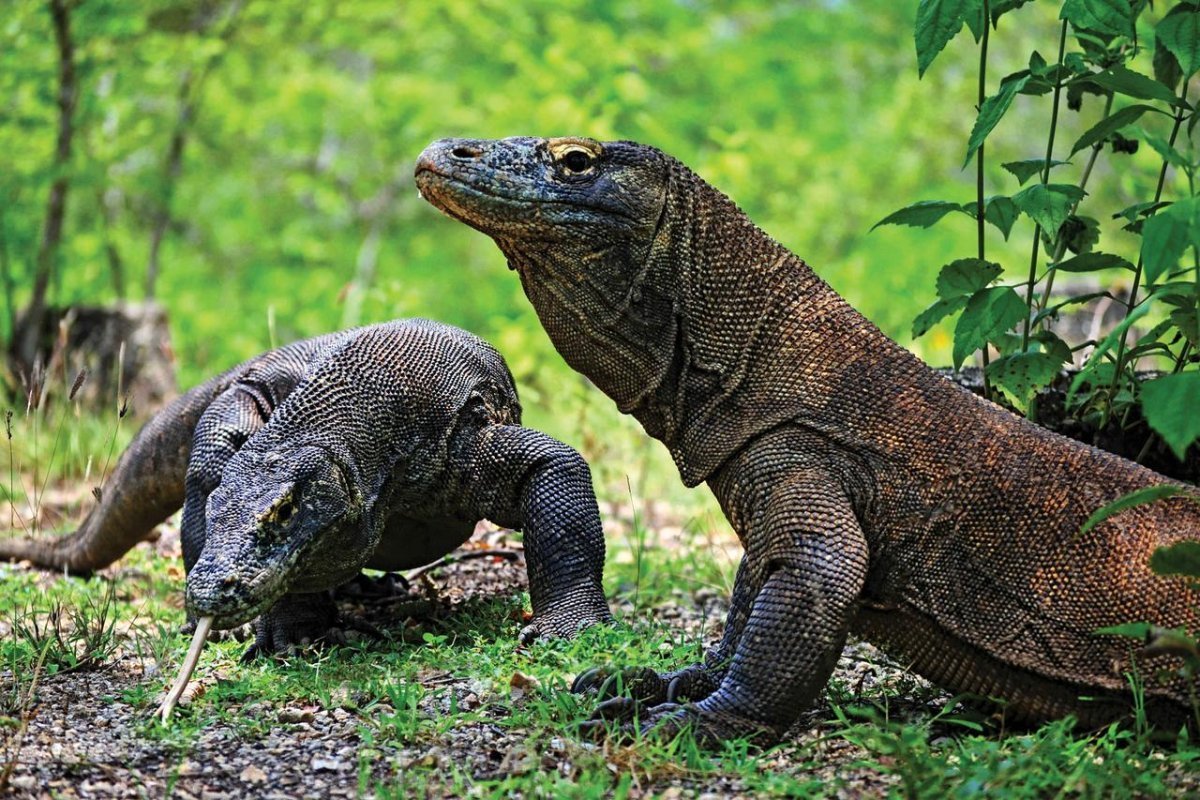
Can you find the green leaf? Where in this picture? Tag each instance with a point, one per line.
(1092, 262)
(1166, 67)
(965, 276)
(1048, 205)
(1134, 630)
(1110, 125)
(919, 215)
(1166, 236)
(935, 314)
(1053, 344)
(938, 21)
(1164, 149)
(1179, 32)
(989, 313)
(1002, 212)
(1146, 494)
(993, 110)
(1139, 210)
(1020, 375)
(1113, 17)
(1132, 84)
(1096, 365)
(1181, 558)
(1024, 170)
(1170, 405)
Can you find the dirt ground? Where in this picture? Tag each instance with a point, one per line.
(83, 739)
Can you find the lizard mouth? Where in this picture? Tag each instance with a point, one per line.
(465, 201)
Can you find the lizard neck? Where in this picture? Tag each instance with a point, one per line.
(760, 341)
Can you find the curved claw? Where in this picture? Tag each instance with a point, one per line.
(673, 688)
(616, 709)
(640, 683)
(590, 679)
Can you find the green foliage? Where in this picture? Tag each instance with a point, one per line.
(1013, 319)
(1147, 494)
(1181, 558)
(1171, 409)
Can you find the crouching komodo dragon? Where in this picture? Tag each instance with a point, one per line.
(378, 447)
(870, 494)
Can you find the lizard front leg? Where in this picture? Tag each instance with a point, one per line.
(806, 564)
(524, 479)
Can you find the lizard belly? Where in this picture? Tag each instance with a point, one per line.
(409, 542)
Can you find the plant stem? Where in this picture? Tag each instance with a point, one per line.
(1060, 247)
(979, 202)
(1119, 366)
(1037, 231)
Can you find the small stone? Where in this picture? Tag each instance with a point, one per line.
(293, 716)
(324, 764)
(23, 782)
(253, 774)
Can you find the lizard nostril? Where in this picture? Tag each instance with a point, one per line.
(466, 153)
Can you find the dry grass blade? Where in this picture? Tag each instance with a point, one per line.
(203, 626)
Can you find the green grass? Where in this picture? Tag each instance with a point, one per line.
(447, 677)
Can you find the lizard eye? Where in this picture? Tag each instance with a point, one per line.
(284, 512)
(577, 161)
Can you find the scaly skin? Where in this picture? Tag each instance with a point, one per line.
(378, 447)
(870, 494)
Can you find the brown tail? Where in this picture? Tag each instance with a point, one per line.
(145, 488)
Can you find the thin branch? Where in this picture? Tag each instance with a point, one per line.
(26, 343)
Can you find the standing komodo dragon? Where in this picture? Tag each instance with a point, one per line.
(870, 495)
(378, 447)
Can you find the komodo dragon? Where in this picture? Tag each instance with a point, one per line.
(378, 447)
(870, 495)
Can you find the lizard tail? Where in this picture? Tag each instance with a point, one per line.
(144, 489)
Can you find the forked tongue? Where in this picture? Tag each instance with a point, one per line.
(203, 626)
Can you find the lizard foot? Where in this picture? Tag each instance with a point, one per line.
(623, 719)
(301, 620)
(563, 623)
(643, 684)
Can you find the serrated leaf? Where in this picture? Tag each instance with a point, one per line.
(1146, 494)
(988, 313)
(1179, 32)
(935, 314)
(965, 276)
(1136, 210)
(1001, 212)
(1132, 84)
(1053, 344)
(1166, 67)
(1181, 558)
(1165, 237)
(919, 215)
(938, 21)
(1024, 170)
(1019, 375)
(1048, 205)
(1113, 17)
(1092, 262)
(1110, 125)
(1169, 405)
(1164, 149)
(993, 110)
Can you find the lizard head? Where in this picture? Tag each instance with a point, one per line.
(579, 221)
(279, 521)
